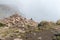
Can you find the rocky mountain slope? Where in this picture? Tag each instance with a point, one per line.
(17, 27)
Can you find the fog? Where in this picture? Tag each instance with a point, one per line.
(36, 9)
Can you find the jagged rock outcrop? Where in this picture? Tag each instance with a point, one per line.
(18, 20)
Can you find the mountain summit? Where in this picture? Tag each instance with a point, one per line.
(17, 19)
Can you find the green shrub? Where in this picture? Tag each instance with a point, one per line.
(58, 22)
(1, 24)
(43, 23)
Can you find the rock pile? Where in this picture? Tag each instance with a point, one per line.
(18, 20)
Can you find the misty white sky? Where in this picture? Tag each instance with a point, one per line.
(37, 9)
